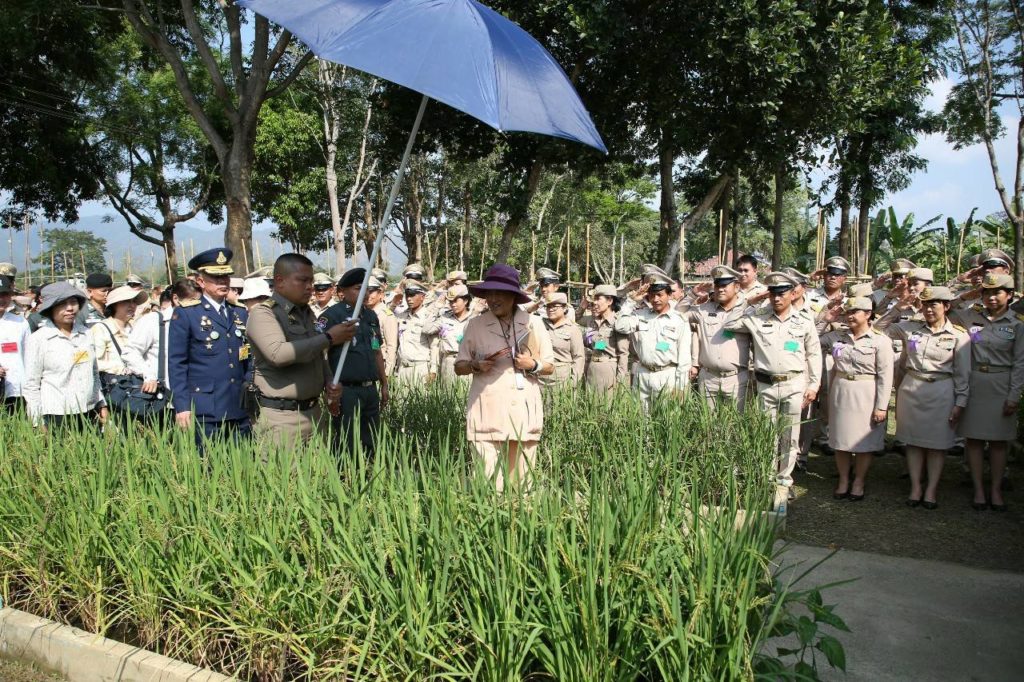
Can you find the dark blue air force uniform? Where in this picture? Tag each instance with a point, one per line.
(208, 360)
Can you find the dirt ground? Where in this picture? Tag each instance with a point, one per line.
(18, 672)
(882, 523)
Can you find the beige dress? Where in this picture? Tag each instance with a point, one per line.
(449, 331)
(860, 383)
(997, 373)
(500, 407)
(931, 378)
(108, 359)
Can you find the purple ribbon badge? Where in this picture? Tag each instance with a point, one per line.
(837, 349)
(975, 333)
(588, 337)
(913, 342)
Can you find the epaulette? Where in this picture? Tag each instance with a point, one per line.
(959, 328)
(388, 311)
(269, 303)
(977, 307)
(1020, 316)
(189, 303)
(237, 305)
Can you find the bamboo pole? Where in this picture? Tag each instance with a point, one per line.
(721, 235)
(259, 257)
(483, 253)
(167, 265)
(867, 251)
(10, 237)
(586, 263)
(568, 252)
(558, 261)
(533, 254)
(622, 259)
(81, 252)
(53, 270)
(245, 257)
(28, 252)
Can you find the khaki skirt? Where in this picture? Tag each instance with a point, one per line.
(850, 405)
(601, 376)
(922, 413)
(983, 417)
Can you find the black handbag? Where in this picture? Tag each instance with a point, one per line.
(124, 391)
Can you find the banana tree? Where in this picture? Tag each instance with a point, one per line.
(894, 238)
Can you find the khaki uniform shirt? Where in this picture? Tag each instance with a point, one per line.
(288, 350)
(108, 359)
(660, 341)
(319, 310)
(604, 343)
(389, 331)
(868, 354)
(757, 289)
(449, 331)
(718, 349)
(567, 346)
(998, 342)
(413, 343)
(781, 346)
(946, 351)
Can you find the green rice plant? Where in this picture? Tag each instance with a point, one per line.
(622, 560)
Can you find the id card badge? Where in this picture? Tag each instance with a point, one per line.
(375, 344)
(791, 346)
(662, 346)
(80, 357)
(600, 345)
(9, 347)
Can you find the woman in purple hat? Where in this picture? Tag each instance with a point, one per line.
(505, 350)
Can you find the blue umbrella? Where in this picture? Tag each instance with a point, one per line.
(455, 51)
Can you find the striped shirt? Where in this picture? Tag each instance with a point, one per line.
(61, 376)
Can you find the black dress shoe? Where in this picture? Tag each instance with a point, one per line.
(856, 498)
(998, 507)
(911, 502)
(840, 496)
(929, 505)
(979, 506)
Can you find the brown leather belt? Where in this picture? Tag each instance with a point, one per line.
(286, 403)
(930, 378)
(766, 378)
(655, 368)
(855, 377)
(991, 369)
(722, 374)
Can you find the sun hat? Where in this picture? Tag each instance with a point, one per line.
(254, 287)
(52, 294)
(237, 283)
(125, 293)
(500, 277)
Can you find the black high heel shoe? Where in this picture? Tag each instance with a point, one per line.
(911, 502)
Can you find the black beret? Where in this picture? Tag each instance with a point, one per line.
(98, 280)
(352, 277)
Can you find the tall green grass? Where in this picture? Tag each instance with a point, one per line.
(302, 565)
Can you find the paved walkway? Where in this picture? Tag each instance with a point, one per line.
(913, 619)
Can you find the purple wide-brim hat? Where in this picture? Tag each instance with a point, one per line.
(500, 277)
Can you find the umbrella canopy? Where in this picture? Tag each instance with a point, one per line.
(455, 51)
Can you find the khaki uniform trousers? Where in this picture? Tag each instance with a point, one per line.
(782, 401)
(715, 386)
(495, 455)
(652, 382)
(601, 375)
(414, 371)
(286, 428)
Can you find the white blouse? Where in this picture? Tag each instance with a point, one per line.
(61, 375)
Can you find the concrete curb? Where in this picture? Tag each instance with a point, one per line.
(80, 656)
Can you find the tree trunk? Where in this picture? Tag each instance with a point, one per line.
(667, 209)
(780, 195)
(844, 225)
(236, 176)
(170, 255)
(863, 236)
(737, 212)
(519, 212)
(695, 216)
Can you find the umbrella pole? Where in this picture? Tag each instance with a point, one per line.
(382, 228)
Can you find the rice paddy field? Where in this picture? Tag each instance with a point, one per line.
(308, 565)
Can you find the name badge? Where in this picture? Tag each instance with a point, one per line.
(600, 345)
(375, 344)
(728, 334)
(662, 345)
(80, 357)
(791, 346)
(11, 347)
